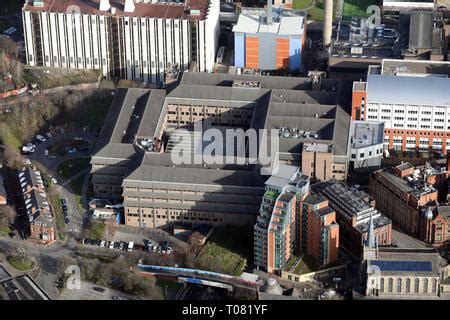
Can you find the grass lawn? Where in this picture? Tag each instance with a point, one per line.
(356, 8)
(69, 168)
(97, 230)
(172, 287)
(227, 250)
(301, 4)
(58, 77)
(57, 211)
(5, 230)
(20, 264)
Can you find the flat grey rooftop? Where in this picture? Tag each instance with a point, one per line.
(408, 90)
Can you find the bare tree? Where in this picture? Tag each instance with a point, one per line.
(7, 215)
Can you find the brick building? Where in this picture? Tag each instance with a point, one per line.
(319, 231)
(354, 211)
(434, 224)
(36, 206)
(401, 191)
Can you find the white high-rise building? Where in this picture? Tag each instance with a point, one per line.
(133, 40)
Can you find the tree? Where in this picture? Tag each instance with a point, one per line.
(7, 215)
(12, 156)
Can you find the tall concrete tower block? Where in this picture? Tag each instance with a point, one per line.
(328, 22)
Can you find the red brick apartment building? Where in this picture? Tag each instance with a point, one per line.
(409, 196)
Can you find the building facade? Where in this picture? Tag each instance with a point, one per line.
(133, 158)
(414, 107)
(36, 206)
(292, 221)
(136, 43)
(274, 231)
(412, 273)
(434, 224)
(354, 212)
(400, 192)
(270, 39)
(319, 231)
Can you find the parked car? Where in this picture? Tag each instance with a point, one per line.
(102, 244)
(73, 150)
(121, 245)
(66, 220)
(27, 161)
(41, 138)
(130, 246)
(46, 152)
(54, 181)
(98, 289)
(111, 245)
(48, 135)
(116, 245)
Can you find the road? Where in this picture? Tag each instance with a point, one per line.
(76, 217)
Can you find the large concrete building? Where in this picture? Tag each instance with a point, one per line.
(411, 99)
(133, 157)
(137, 42)
(270, 39)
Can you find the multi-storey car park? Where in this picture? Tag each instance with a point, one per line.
(133, 154)
(125, 40)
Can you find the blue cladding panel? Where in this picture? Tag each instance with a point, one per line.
(387, 265)
(295, 58)
(239, 50)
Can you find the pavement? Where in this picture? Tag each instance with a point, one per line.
(86, 292)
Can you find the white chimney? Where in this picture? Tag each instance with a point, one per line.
(104, 5)
(129, 6)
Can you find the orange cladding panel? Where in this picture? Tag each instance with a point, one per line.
(282, 56)
(251, 52)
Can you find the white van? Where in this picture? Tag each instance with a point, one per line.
(130, 246)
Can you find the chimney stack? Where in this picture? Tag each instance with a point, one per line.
(129, 6)
(269, 11)
(328, 23)
(104, 5)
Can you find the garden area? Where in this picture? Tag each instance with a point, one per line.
(47, 78)
(356, 8)
(227, 251)
(20, 262)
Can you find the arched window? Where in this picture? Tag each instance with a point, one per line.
(408, 285)
(399, 285)
(433, 289)
(425, 285)
(416, 285)
(382, 285)
(391, 285)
